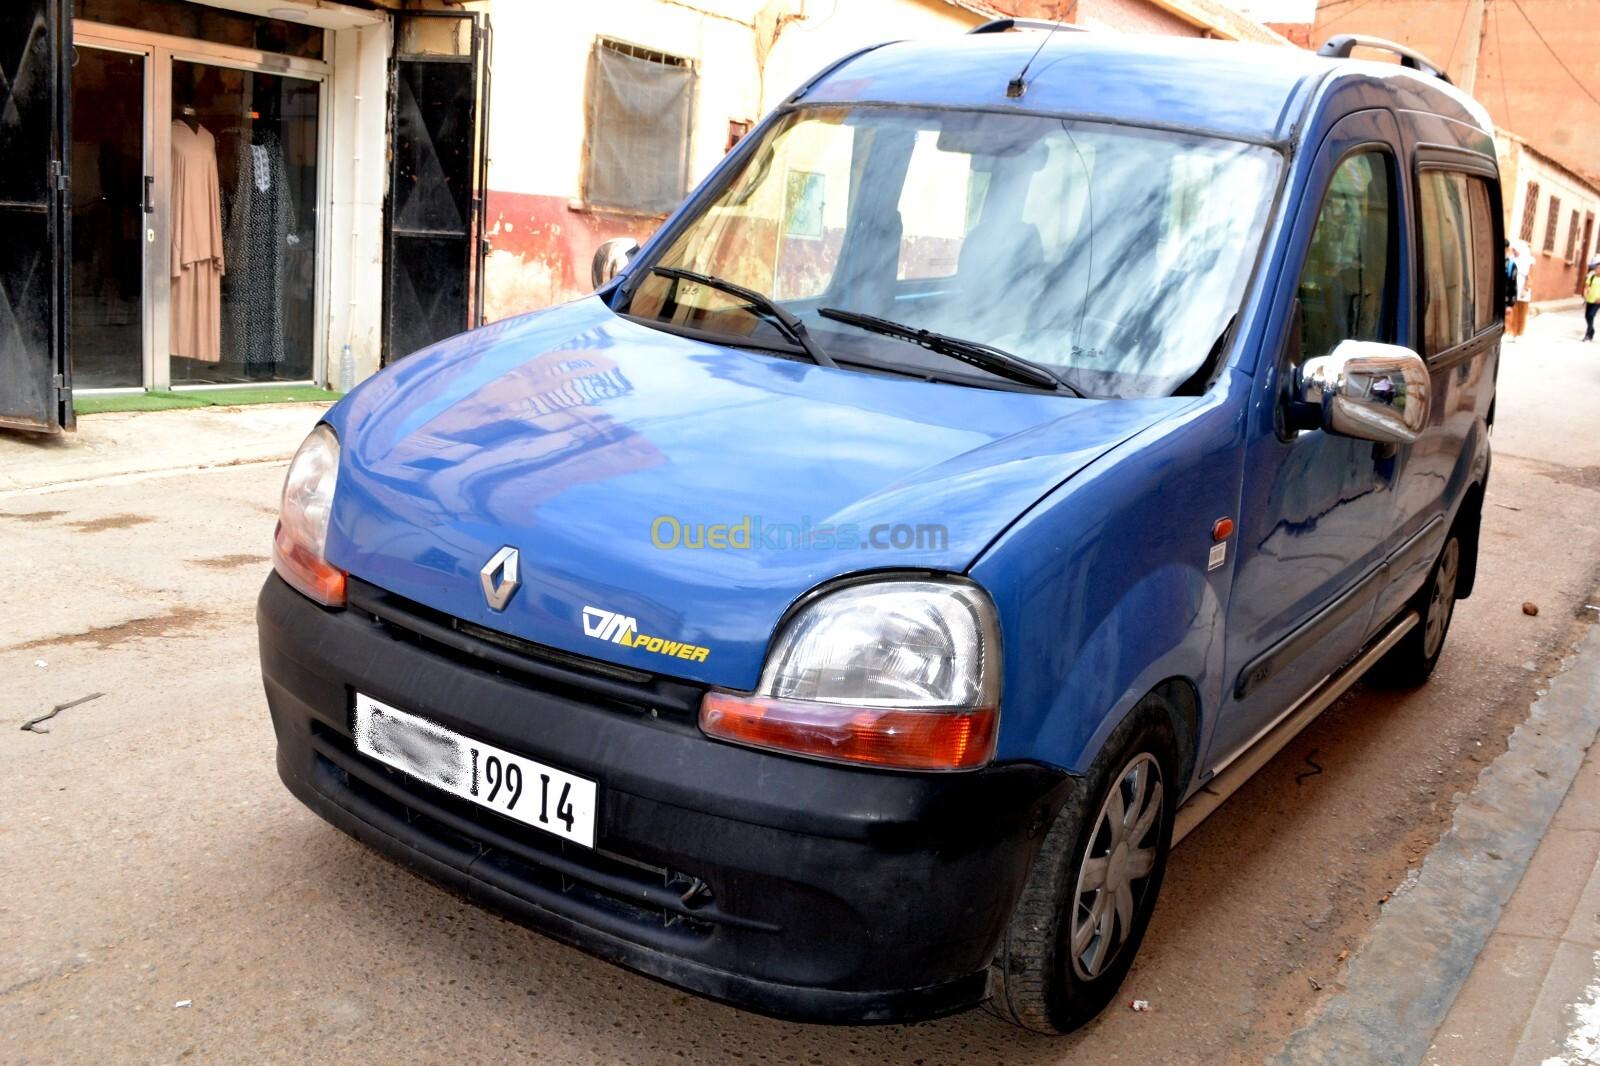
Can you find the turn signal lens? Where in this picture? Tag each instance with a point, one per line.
(301, 538)
(876, 736)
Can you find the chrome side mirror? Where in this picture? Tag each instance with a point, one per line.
(610, 258)
(1366, 390)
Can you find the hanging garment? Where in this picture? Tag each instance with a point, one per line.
(197, 248)
(261, 224)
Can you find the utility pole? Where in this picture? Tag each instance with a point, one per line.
(1478, 23)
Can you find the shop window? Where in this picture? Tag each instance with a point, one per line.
(1344, 286)
(197, 21)
(1551, 225)
(244, 225)
(637, 146)
(1530, 212)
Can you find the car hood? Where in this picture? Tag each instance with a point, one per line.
(669, 498)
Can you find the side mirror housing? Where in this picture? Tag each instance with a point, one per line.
(1366, 390)
(610, 259)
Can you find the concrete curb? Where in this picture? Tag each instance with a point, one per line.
(1402, 983)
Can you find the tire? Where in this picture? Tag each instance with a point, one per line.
(1410, 662)
(1040, 982)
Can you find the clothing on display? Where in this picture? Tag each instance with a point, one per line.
(197, 245)
(261, 225)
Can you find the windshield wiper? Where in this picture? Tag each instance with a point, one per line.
(790, 326)
(996, 361)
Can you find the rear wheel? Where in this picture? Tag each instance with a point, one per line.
(1410, 662)
(1093, 887)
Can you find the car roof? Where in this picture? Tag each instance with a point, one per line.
(1248, 91)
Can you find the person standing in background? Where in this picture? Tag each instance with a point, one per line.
(1591, 296)
(1517, 319)
(1509, 287)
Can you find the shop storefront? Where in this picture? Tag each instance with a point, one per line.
(228, 194)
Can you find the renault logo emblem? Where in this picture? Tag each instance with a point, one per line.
(499, 578)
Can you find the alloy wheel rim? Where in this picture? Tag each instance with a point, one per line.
(1117, 863)
(1442, 600)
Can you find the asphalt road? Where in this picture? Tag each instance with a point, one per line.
(163, 898)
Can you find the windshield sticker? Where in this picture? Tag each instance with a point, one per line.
(623, 629)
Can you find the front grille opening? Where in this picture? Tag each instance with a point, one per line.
(536, 666)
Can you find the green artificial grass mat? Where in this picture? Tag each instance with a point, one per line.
(169, 401)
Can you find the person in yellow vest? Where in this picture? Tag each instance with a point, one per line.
(1591, 296)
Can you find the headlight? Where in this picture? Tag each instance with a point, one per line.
(900, 674)
(298, 546)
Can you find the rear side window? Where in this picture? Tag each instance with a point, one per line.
(1458, 259)
(1344, 286)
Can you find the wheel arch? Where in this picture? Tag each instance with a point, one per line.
(1468, 528)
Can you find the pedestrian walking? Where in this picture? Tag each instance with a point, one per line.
(1591, 296)
(1517, 319)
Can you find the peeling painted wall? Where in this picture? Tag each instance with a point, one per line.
(749, 55)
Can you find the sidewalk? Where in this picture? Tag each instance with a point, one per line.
(129, 445)
(1534, 995)
(1490, 953)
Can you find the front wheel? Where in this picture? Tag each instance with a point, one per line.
(1093, 886)
(1411, 661)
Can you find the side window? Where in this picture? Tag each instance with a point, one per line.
(1458, 259)
(1487, 266)
(1345, 283)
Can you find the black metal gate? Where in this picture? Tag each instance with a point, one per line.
(35, 385)
(439, 106)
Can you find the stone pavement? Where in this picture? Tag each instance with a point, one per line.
(1533, 998)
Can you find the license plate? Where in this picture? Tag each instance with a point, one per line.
(518, 787)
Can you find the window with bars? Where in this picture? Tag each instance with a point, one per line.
(640, 103)
(1551, 225)
(1530, 212)
(1572, 238)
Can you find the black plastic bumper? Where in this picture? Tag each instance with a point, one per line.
(793, 888)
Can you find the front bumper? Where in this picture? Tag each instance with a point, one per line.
(798, 889)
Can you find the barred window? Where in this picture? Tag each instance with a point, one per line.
(1551, 225)
(1572, 237)
(1530, 211)
(637, 145)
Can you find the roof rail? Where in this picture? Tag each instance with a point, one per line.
(1341, 46)
(1002, 25)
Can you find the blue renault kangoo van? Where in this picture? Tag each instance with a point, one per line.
(1001, 454)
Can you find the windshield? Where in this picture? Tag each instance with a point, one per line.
(1114, 256)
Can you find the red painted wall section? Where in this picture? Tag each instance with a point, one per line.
(540, 250)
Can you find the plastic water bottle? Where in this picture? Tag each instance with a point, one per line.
(347, 369)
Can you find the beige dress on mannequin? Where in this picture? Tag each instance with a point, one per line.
(196, 245)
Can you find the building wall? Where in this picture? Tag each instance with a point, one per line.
(748, 55)
(359, 182)
(1555, 276)
(1134, 16)
(1520, 83)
